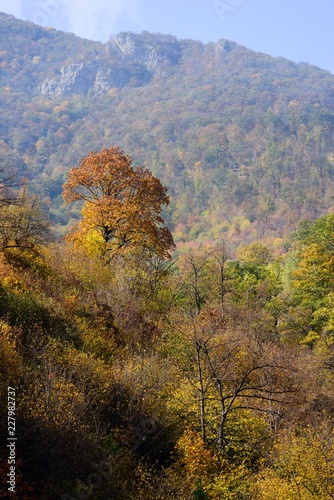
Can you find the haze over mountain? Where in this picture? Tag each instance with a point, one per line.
(243, 141)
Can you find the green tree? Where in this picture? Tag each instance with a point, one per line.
(313, 274)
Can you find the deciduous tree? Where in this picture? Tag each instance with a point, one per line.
(122, 205)
(23, 224)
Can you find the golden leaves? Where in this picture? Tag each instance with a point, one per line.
(121, 203)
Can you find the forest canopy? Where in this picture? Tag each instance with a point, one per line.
(243, 141)
(142, 372)
(204, 376)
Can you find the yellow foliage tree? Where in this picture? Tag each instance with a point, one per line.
(303, 465)
(23, 224)
(196, 458)
(122, 205)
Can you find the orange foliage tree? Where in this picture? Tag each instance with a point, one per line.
(122, 206)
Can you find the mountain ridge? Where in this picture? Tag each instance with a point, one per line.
(243, 140)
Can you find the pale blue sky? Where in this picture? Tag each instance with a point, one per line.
(301, 30)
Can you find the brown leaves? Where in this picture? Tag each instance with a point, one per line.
(105, 173)
(121, 203)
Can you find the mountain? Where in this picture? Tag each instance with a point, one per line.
(207, 376)
(242, 140)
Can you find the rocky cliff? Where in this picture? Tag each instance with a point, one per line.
(127, 59)
(92, 78)
(52, 63)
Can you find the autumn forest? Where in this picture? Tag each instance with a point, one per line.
(166, 269)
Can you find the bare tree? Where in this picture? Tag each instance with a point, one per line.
(235, 372)
(232, 368)
(8, 181)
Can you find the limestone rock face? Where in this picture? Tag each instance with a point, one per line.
(127, 59)
(107, 77)
(74, 79)
(132, 46)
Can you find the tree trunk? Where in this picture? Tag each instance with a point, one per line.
(221, 430)
(202, 393)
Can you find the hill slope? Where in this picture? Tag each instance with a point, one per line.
(243, 141)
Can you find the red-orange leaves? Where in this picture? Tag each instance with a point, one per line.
(122, 205)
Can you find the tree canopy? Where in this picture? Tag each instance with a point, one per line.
(122, 206)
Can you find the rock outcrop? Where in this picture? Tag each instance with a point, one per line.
(86, 78)
(127, 59)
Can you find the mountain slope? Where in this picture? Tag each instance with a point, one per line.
(243, 141)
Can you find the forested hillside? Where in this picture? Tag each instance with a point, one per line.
(131, 370)
(134, 375)
(243, 141)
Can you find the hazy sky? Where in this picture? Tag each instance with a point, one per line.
(301, 30)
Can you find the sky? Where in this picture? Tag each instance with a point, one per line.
(300, 30)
